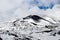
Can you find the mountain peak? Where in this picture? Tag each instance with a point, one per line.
(28, 27)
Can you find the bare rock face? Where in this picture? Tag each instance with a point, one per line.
(32, 27)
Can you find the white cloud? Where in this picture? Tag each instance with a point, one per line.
(55, 12)
(11, 9)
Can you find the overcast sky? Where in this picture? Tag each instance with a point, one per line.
(13, 9)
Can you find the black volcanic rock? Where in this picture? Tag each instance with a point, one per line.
(50, 26)
(13, 34)
(58, 33)
(34, 17)
(1, 38)
(47, 31)
(26, 39)
(34, 23)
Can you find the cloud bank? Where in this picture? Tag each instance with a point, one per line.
(13, 9)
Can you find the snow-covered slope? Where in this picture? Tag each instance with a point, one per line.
(32, 27)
